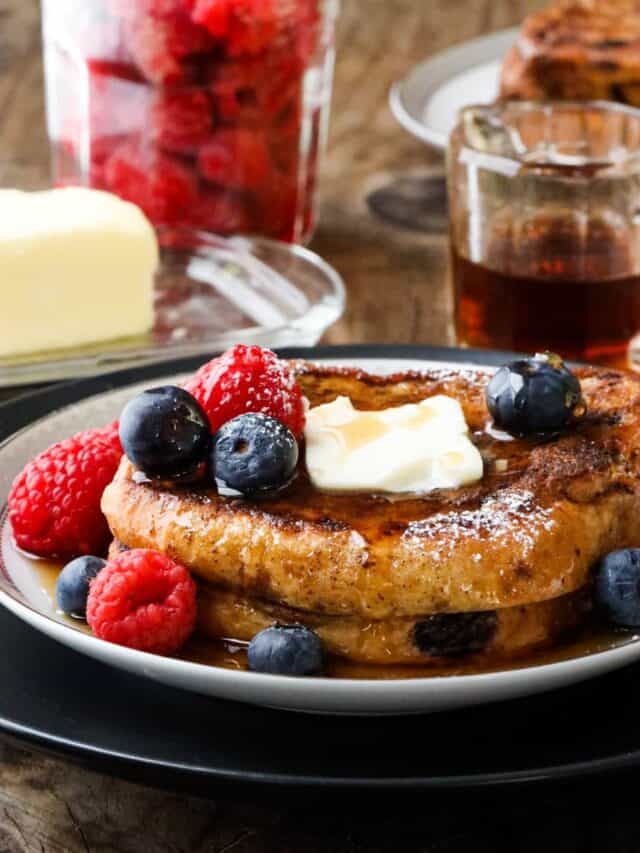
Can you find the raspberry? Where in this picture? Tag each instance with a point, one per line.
(215, 15)
(236, 158)
(54, 504)
(181, 119)
(147, 44)
(143, 600)
(248, 379)
(251, 90)
(234, 84)
(111, 434)
(221, 211)
(247, 26)
(160, 44)
(162, 186)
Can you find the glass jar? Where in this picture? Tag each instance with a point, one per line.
(545, 229)
(209, 114)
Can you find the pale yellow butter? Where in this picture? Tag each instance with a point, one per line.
(414, 448)
(76, 267)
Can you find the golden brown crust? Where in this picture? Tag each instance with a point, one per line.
(518, 79)
(577, 49)
(488, 637)
(510, 632)
(523, 535)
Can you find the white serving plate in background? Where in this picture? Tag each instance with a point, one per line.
(427, 101)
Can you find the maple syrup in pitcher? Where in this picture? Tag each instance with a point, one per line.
(535, 292)
(545, 229)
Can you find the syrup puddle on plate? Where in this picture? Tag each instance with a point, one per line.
(230, 654)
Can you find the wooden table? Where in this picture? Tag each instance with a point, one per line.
(396, 287)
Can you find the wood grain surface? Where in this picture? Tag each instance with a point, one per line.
(396, 283)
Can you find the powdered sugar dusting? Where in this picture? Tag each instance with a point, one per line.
(513, 515)
(359, 543)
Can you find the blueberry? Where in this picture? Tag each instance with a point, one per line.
(253, 453)
(617, 587)
(72, 586)
(534, 396)
(451, 634)
(165, 433)
(286, 650)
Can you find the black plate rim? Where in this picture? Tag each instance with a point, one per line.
(125, 764)
(22, 411)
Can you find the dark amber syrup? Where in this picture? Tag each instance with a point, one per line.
(551, 284)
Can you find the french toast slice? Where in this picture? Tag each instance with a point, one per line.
(503, 634)
(577, 50)
(528, 532)
(506, 633)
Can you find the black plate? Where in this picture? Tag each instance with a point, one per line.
(62, 702)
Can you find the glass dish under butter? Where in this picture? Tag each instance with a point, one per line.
(210, 292)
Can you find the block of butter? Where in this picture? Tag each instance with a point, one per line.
(76, 268)
(415, 448)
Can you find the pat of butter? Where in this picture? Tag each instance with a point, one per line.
(76, 267)
(412, 448)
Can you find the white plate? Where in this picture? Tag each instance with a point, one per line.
(427, 101)
(21, 592)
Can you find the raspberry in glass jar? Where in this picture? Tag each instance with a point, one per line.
(206, 113)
